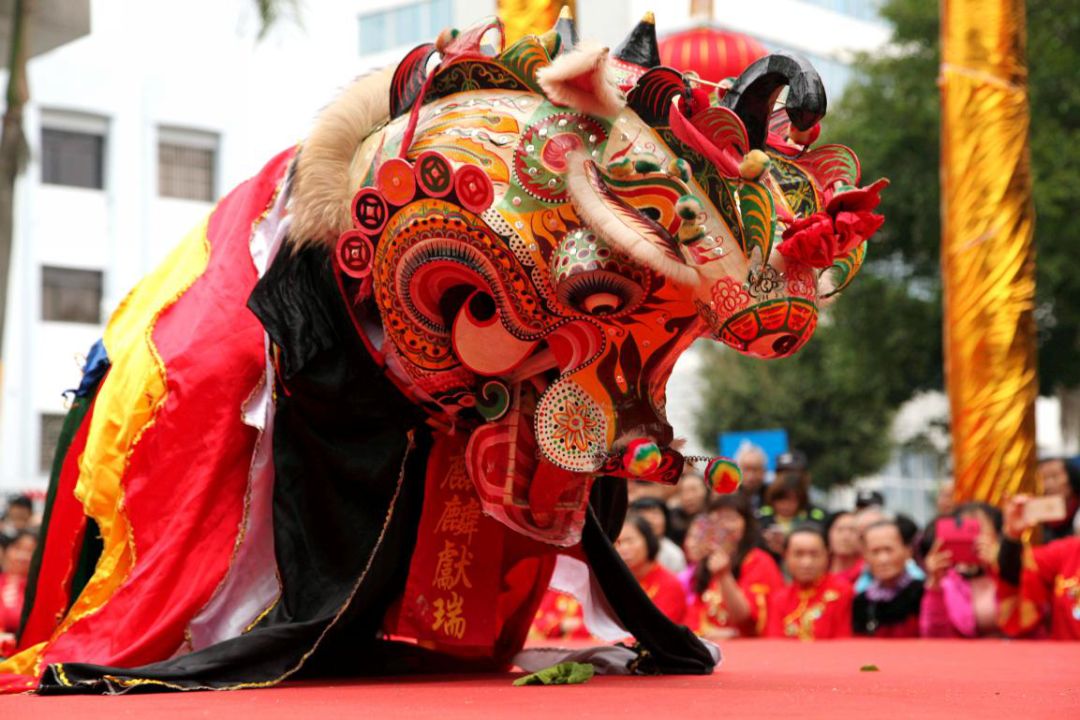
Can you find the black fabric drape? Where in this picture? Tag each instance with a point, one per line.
(344, 527)
(672, 648)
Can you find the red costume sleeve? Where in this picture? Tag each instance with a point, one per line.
(778, 601)
(1023, 608)
(1050, 559)
(759, 577)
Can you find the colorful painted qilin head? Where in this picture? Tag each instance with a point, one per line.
(541, 230)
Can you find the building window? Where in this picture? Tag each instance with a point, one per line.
(73, 158)
(408, 24)
(187, 164)
(69, 295)
(51, 425)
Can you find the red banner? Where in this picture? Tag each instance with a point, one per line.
(451, 597)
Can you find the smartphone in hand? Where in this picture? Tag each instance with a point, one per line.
(958, 537)
(1049, 508)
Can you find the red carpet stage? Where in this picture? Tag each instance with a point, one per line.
(759, 679)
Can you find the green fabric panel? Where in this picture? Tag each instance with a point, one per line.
(72, 423)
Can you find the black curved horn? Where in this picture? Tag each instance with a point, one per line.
(755, 92)
(641, 47)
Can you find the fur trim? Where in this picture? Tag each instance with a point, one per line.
(325, 183)
(579, 79)
(618, 228)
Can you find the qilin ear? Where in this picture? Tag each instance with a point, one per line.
(579, 79)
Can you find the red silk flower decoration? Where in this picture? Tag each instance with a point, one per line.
(847, 222)
(810, 240)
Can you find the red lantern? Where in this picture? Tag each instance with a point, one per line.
(712, 53)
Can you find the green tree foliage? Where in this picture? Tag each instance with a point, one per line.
(891, 116)
(881, 340)
(1053, 56)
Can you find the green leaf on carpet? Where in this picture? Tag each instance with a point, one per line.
(869, 668)
(566, 673)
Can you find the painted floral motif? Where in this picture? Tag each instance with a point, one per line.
(574, 428)
(730, 296)
(802, 282)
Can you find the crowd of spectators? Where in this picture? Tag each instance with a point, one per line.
(765, 562)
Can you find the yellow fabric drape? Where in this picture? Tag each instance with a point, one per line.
(125, 407)
(529, 17)
(988, 259)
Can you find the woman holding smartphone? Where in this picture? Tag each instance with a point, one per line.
(734, 577)
(960, 594)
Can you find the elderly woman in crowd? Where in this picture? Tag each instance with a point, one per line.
(889, 606)
(639, 548)
(864, 519)
(734, 577)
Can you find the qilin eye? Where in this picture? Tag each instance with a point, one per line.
(598, 292)
(593, 279)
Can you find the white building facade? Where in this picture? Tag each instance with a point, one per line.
(136, 128)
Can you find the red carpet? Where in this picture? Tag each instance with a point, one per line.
(759, 678)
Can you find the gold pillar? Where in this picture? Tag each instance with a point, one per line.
(529, 17)
(987, 254)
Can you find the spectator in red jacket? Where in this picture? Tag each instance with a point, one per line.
(732, 582)
(1039, 588)
(817, 604)
(560, 615)
(638, 546)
